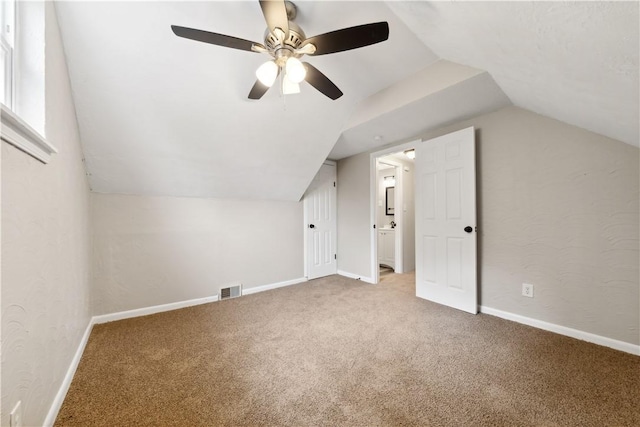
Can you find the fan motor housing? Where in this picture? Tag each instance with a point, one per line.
(283, 48)
(293, 40)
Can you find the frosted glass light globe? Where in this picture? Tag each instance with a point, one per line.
(295, 70)
(267, 73)
(289, 87)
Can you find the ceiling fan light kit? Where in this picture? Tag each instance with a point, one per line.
(295, 70)
(286, 43)
(289, 87)
(267, 73)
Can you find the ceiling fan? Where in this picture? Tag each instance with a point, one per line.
(285, 42)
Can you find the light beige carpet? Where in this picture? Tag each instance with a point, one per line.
(336, 351)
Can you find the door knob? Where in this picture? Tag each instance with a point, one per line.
(312, 226)
(468, 229)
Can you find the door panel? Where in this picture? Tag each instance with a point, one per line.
(320, 212)
(430, 260)
(446, 204)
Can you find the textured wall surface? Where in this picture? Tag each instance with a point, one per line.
(45, 253)
(409, 220)
(158, 250)
(354, 232)
(558, 207)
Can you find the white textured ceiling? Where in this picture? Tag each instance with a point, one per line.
(573, 61)
(163, 115)
(441, 94)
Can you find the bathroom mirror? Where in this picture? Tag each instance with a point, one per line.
(390, 196)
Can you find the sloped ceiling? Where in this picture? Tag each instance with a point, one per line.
(573, 61)
(441, 94)
(160, 115)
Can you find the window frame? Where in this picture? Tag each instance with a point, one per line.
(18, 133)
(14, 128)
(7, 45)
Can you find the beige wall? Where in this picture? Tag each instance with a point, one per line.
(558, 207)
(157, 250)
(354, 232)
(409, 223)
(45, 252)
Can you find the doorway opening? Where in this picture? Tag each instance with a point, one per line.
(444, 217)
(393, 211)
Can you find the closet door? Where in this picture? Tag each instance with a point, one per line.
(321, 225)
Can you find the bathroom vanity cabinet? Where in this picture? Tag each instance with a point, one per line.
(387, 247)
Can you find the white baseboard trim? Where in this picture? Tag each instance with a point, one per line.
(355, 276)
(95, 320)
(256, 289)
(66, 381)
(563, 330)
(104, 318)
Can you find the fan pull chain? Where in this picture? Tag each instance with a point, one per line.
(284, 97)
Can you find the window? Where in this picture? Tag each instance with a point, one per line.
(7, 43)
(22, 90)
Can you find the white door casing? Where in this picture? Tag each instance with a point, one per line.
(445, 206)
(320, 223)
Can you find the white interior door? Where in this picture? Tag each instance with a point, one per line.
(320, 223)
(446, 220)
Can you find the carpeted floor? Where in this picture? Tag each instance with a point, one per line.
(336, 351)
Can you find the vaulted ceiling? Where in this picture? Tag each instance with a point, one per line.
(162, 115)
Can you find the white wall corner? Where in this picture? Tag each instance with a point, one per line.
(66, 381)
(563, 330)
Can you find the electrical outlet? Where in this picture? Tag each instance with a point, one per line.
(15, 417)
(527, 290)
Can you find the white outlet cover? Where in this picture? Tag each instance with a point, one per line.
(15, 417)
(527, 290)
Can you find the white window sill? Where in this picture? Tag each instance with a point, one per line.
(18, 133)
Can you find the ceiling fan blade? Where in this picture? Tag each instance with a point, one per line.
(275, 13)
(321, 82)
(258, 90)
(349, 38)
(215, 38)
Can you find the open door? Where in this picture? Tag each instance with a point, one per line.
(446, 221)
(320, 222)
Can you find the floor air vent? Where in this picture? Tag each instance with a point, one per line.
(230, 292)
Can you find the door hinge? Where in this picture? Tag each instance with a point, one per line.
(335, 256)
(334, 183)
(374, 226)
